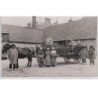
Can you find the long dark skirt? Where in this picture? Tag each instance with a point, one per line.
(53, 60)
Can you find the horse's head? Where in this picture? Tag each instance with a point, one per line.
(6, 48)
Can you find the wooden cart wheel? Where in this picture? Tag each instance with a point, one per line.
(77, 61)
(66, 60)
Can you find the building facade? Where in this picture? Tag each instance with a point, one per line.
(84, 30)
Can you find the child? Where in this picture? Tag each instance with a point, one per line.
(40, 57)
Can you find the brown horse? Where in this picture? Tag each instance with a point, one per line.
(22, 52)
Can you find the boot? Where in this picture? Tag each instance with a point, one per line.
(14, 66)
(10, 67)
(53, 65)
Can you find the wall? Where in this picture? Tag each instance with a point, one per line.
(22, 45)
(89, 42)
(5, 38)
(83, 42)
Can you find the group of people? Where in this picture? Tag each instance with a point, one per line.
(90, 53)
(85, 52)
(44, 57)
(47, 57)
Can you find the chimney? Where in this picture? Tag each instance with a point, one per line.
(34, 22)
(47, 22)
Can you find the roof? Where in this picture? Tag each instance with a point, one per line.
(86, 28)
(23, 34)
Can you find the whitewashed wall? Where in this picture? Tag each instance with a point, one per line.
(89, 42)
(22, 45)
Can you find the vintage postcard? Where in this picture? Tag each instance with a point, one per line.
(49, 46)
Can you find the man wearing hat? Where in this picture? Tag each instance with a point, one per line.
(13, 57)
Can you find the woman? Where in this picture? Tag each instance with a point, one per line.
(53, 57)
(91, 54)
(47, 57)
(13, 58)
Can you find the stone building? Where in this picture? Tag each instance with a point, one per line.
(84, 30)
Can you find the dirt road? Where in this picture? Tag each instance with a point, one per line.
(61, 70)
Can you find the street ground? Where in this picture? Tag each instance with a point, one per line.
(60, 70)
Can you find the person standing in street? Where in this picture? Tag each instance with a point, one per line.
(29, 56)
(53, 57)
(91, 54)
(40, 57)
(83, 54)
(47, 57)
(13, 58)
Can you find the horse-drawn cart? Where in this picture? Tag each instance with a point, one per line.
(69, 53)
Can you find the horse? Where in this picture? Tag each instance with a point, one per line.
(22, 52)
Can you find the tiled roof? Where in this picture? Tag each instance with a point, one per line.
(86, 28)
(23, 34)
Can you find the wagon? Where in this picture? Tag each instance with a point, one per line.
(68, 53)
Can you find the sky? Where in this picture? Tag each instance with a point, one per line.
(22, 20)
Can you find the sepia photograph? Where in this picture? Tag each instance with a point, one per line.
(47, 46)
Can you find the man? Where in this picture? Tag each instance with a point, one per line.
(83, 54)
(29, 56)
(13, 58)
